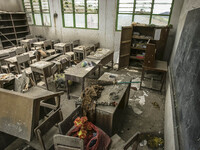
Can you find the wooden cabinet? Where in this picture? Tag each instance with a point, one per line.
(143, 34)
(13, 27)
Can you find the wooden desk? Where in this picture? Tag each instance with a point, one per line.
(79, 73)
(13, 60)
(109, 118)
(82, 49)
(44, 68)
(105, 55)
(20, 112)
(5, 52)
(27, 43)
(160, 66)
(38, 44)
(62, 61)
(62, 46)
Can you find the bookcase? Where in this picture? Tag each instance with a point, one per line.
(13, 28)
(143, 34)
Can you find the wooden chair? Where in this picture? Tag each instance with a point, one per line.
(45, 131)
(75, 43)
(64, 142)
(30, 36)
(47, 43)
(4, 68)
(96, 46)
(150, 64)
(20, 50)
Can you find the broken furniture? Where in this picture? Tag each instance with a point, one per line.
(20, 113)
(62, 62)
(6, 78)
(159, 67)
(110, 118)
(80, 52)
(13, 26)
(27, 43)
(44, 68)
(141, 34)
(61, 140)
(5, 67)
(22, 61)
(13, 60)
(105, 55)
(79, 73)
(44, 131)
(63, 47)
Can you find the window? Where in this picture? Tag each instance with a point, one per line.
(37, 12)
(156, 12)
(80, 13)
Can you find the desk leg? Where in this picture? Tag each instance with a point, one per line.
(45, 79)
(99, 73)
(163, 81)
(112, 62)
(9, 70)
(34, 79)
(18, 69)
(142, 77)
(83, 84)
(68, 89)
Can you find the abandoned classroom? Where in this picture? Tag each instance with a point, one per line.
(99, 74)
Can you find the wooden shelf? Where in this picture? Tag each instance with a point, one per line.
(137, 48)
(6, 27)
(22, 32)
(142, 38)
(7, 33)
(19, 19)
(134, 57)
(19, 26)
(8, 40)
(5, 20)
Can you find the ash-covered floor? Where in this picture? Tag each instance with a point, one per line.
(145, 111)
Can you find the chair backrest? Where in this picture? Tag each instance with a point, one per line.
(20, 50)
(47, 43)
(54, 69)
(64, 142)
(23, 58)
(68, 123)
(30, 36)
(56, 41)
(12, 53)
(46, 125)
(149, 59)
(76, 43)
(96, 46)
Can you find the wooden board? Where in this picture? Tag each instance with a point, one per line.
(125, 46)
(16, 114)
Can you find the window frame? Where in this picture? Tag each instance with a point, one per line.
(74, 17)
(149, 14)
(41, 13)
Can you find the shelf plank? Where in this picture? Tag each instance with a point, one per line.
(5, 20)
(134, 57)
(6, 27)
(8, 40)
(22, 32)
(137, 48)
(19, 19)
(7, 33)
(19, 26)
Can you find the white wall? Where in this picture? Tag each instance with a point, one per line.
(106, 35)
(11, 5)
(187, 6)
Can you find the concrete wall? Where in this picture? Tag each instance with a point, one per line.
(106, 35)
(187, 6)
(169, 124)
(11, 5)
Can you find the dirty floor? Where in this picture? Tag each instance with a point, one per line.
(145, 111)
